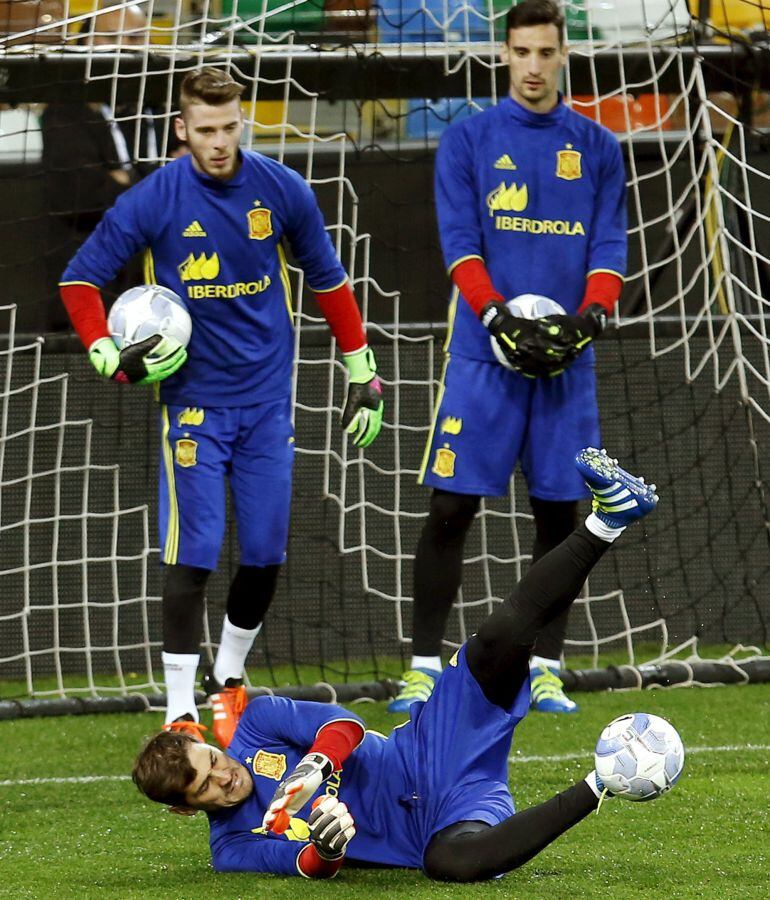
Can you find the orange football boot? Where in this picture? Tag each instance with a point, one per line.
(187, 725)
(228, 703)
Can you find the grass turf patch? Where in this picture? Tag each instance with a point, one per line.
(708, 838)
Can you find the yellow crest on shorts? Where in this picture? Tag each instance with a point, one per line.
(186, 453)
(444, 463)
(260, 223)
(451, 425)
(270, 765)
(568, 164)
(191, 415)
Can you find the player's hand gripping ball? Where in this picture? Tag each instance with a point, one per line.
(639, 756)
(150, 329)
(518, 339)
(569, 336)
(295, 791)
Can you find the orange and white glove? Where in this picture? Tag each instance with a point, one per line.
(295, 791)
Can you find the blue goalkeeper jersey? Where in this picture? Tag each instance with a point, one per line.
(218, 244)
(539, 197)
(448, 763)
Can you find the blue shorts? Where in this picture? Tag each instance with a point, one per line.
(461, 747)
(488, 418)
(253, 446)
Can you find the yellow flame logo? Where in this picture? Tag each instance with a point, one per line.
(507, 199)
(199, 268)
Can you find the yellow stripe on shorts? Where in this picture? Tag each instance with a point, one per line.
(171, 548)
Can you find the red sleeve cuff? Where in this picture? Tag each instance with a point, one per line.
(338, 740)
(311, 865)
(84, 306)
(341, 311)
(603, 288)
(474, 283)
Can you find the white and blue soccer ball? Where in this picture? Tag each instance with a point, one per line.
(140, 312)
(526, 306)
(639, 756)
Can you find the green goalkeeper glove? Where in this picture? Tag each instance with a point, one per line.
(362, 415)
(151, 360)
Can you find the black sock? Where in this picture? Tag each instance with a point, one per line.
(438, 566)
(498, 654)
(554, 522)
(250, 595)
(184, 589)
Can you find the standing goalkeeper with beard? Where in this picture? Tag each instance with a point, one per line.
(530, 199)
(214, 225)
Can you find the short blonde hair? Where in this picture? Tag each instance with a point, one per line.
(208, 85)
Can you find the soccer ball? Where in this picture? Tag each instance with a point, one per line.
(140, 312)
(526, 306)
(639, 756)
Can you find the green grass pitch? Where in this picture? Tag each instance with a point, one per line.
(707, 838)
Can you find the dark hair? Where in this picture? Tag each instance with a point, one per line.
(162, 770)
(208, 85)
(535, 12)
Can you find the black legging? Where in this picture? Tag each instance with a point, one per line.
(498, 658)
(184, 591)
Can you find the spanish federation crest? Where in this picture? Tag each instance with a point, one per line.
(260, 223)
(568, 164)
(186, 453)
(444, 463)
(269, 765)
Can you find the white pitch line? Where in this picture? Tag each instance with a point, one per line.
(569, 757)
(77, 779)
(559, 757)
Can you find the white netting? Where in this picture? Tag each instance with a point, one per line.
(696, 283)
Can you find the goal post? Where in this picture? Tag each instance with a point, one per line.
(684, 370)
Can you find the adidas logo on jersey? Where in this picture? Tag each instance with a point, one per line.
(505, 162)
(194, 230)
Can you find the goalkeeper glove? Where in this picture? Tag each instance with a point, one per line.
(152, 359)
(362, 415)
(295, 791)
(570, 335)
(331, 827)
(525, 344)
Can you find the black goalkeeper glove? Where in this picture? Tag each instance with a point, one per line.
(510, 332)
(526, 344)
(152, 359)
(569, 336)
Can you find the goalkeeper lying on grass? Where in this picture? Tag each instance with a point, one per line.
(434, 795)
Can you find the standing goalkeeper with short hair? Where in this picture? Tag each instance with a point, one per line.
(530, 198)
(214, 225)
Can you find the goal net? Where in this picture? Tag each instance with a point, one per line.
(355, 95)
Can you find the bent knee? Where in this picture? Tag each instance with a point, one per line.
(453, 512)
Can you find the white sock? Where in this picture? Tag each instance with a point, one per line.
(536, 661)
(603, 531)
(590, 780)
(426, 662)
(179, 671)
(234, 647)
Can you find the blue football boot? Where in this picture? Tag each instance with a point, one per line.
(418, 684)
(619, 497)
(548, 692)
